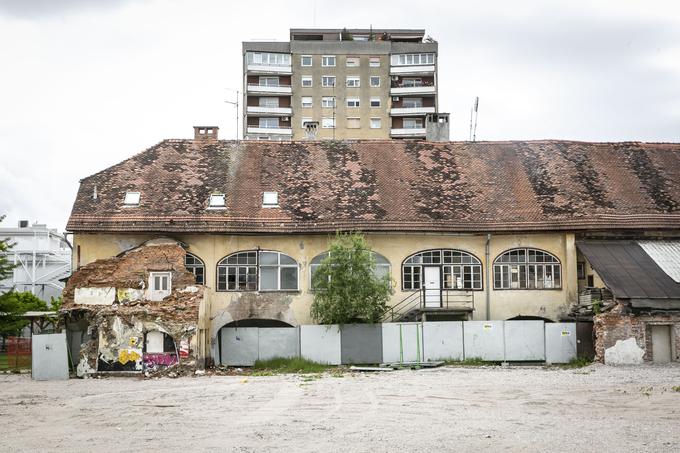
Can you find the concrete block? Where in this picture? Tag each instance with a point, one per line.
(624, 352)
(443, 340)
(484, 340)
(361, 343)
(524, 341)
(239, 346)
(402, 342)
(321, 344)
(560, 342)
(49, 357)
(95, 296)
(275, 342)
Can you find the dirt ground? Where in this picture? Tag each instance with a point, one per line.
(596, 408)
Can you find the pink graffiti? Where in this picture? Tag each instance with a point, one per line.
(155, 359)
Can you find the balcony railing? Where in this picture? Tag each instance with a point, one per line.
(430, 300)
(272, 111)
(408, 132)
(269, 69)
(255, 88)
(278, 130)
(409, 70)
(411, 111)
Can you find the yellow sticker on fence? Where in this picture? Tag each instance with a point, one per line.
(566, 333)
(487, 326)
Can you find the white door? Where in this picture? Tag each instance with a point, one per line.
(154, 341)
(661, 344)
(432, 284)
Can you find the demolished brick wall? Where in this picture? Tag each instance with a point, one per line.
(112, 295)
(620, 323)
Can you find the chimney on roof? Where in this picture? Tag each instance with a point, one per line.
(23, 223)
(205, 132)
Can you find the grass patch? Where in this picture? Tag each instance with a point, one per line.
(471, 361)
(576, 363)
(3, 361)
(286, 365)
(676, 388)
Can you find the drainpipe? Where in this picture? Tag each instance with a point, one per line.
(488, 271)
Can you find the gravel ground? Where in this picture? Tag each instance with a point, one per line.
(596, 408)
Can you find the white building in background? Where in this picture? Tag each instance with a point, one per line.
(42, 257)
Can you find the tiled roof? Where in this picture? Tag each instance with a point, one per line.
(387, 186)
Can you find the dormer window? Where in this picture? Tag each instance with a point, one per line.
(270, 200)
(217, 200)
(131, 199)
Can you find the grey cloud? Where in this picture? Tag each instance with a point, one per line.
(36, 9)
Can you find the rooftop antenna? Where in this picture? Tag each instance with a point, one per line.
(475, 110)
(235, 104)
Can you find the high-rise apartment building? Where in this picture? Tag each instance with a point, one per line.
(342, 84)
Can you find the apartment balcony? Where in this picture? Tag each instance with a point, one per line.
(285, 90)
(408, 90)
(269, 111)
(413, 132)
(411, 111)
(412, 70)
(278, 131)
(269, 69)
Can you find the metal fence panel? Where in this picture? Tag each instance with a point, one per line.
(402, 342)
(524, 341)
(443, 340)
(361, 343)
(321, 344)
(50, 357)
(484, 340)
(560, 342)
(239, 346)
(277, 342)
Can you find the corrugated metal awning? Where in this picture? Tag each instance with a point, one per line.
(666, 254)
(630, 273)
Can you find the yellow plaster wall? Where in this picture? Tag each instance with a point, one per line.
(395, 247)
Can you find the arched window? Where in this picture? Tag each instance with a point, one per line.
(253, 270)
(195, 265)
(382, 266)
(444, 269)
(527, 268)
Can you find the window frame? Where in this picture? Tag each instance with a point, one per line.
(324, 60)
(306, 105)
(132, 198)
(309, 79)
(370, 81)
(257, 266)
(158, 294)
(352, 58)
(372, 60)
(416, 269)
(302, 61)
(379, 120)
(374, 99)
(356, 81)
(191, 267)
(326, 105)
(353, 119)
(503, 269)
(266, 119)
(355, 101)
(273, 195)
(332, 119)
(330, 77)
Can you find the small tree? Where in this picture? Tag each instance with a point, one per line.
(347, 289)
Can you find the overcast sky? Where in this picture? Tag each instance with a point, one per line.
(85, 84)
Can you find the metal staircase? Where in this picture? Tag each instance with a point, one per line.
(418, 304)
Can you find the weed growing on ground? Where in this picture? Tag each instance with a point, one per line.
(576, 363)
(288, 365)
(471, 361)
(676, 388)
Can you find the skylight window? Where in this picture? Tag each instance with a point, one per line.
(217, 200)
(131, 198)
(270, 199)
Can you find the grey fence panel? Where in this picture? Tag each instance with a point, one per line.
(49, 357)
(361, 343)
(443, 340)
(560, 342)
(402, 342)
(277, 342)
(321, 344)
(484, 340)
(239, 346)
(524, 341)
